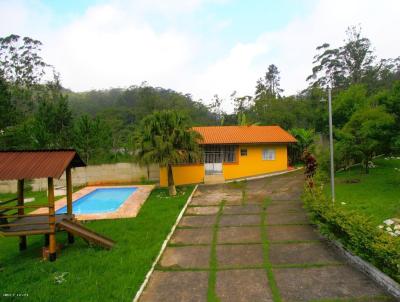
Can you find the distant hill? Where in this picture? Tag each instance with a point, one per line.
(132, 104)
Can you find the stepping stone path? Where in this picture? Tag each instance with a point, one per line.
(252, 241)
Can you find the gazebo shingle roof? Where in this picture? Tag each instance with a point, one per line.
(30, 164)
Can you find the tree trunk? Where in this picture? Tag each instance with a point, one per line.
(367, 166)
(171, 184)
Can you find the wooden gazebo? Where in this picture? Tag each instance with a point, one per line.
(23, 165)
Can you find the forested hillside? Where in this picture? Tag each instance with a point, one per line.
(37, 112)
(134, 103)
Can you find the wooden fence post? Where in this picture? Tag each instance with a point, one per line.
(21, 211)
(69, 200)
(52, 221)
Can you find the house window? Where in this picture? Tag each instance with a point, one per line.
(268, 154)
(243, 152)
(220, 153)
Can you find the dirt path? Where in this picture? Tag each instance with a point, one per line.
(252, 241)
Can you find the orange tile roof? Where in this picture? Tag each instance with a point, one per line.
(244, 135)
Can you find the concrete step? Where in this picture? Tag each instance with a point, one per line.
(214, 179)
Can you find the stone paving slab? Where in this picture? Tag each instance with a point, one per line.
(273, 203)
(239, 220)
(254, 198)
(202, 210)
(284, 196)
(292, 233)
(218, 188)
(204, 198)
(186, 257)
(198, 221)
(244, 209)
(329, 282)
(284, 207)
(239, 255)
(233, 196)
(192, 236)
(208, 200)
(176, 287)
(243, 286)
(239, 235)
(234, 202)
(302, 253)
(287, 218)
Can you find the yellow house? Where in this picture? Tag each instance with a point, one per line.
(234, 152)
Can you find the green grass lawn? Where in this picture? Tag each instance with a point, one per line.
(83, 273)
(376, 194)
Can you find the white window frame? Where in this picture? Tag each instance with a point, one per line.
(269, 154)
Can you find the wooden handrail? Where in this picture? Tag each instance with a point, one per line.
(5, 211)
(25, 223)
(8, 201)
(6, 232)
(33, 206)
(25, 215)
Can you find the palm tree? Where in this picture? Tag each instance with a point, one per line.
(305, 139)
(165, 138)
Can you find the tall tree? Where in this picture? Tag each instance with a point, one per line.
(367, 132)
(22, 67)
(165, 138)
(347, 102)
(7, 108)
(390, 100)
(269, 85)
(53, 123)
(241, 105)
(345, 65)
(20, 61)
(91, 138)
(216, 108)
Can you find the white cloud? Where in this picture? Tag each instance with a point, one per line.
(292, 48)
(120, 43)
(105, 48)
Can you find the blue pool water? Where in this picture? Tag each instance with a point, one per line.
(100, 201)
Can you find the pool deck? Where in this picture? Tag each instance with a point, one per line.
(130, 208)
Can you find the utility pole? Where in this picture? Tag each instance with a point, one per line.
(331, 144)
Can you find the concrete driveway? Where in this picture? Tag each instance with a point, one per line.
(252, 241)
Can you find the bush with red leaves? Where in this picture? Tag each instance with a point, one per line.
(310, 164)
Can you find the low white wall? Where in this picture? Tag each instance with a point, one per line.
(99, 174)
(8, 186)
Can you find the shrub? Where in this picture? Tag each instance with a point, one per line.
(355, 231)
(311, 164)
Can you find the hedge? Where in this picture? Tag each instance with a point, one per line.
(355, 231)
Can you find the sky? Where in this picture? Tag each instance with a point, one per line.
(197, 47)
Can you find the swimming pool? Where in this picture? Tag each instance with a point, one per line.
(102, 200)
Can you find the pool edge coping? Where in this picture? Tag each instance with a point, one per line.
(128, 209)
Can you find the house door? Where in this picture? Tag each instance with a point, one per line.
(213, 162)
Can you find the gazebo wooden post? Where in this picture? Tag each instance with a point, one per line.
(21, 211)
(52, 220)
(69, 199)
